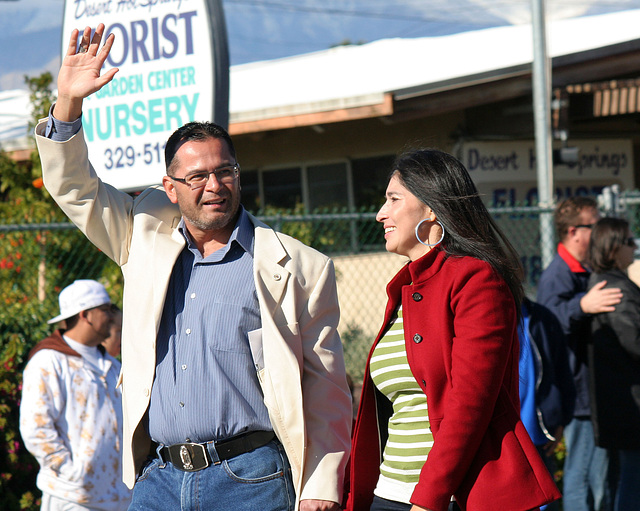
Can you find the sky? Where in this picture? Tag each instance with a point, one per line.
(30, 30)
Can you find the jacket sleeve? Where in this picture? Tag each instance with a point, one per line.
(101, 212)
(43, 403)
(557, 292)
(484, 355)
(625, 320)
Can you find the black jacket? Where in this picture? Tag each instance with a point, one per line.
(614, 361)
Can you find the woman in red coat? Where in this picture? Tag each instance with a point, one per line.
(439, 416)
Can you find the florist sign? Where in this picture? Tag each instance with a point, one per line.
(174, 68)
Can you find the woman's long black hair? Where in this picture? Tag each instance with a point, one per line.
(443, 183)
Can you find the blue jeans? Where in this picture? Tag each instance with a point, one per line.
(585, 468)
(257, 480)
(628, 493)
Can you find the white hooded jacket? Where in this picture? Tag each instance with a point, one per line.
(71, 421)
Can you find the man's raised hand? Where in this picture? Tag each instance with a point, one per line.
(79, 74)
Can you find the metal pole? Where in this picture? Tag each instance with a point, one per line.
(542, 123)
(220, 52)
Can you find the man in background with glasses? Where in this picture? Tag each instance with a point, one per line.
(234, 387)
(563, 288)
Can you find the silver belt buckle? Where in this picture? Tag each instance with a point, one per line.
(193, 457)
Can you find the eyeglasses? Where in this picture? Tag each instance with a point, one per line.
(586, 226)
(224, 175)
(630, 241)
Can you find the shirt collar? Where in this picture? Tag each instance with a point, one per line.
(243, 234)
(574, 265)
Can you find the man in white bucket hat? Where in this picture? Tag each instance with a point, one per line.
(70, 415)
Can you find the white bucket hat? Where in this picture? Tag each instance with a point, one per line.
(80, 296)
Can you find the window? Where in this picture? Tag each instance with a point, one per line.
(282, 188)
(318, 186)
(328, 187)
(250, 192)
(370, 180)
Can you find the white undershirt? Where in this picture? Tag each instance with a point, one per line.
(91, 354)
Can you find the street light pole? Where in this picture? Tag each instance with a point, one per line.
(541, 77)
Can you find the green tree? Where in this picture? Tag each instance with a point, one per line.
(41, 96)
(36, 262)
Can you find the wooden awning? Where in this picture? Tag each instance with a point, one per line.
(615, 97)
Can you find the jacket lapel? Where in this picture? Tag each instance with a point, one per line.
(271, 276)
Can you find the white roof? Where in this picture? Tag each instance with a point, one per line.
(350, 76)
(360, 75)
(15, 112)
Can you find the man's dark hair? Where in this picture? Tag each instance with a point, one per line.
(567, 213)
(194, 131)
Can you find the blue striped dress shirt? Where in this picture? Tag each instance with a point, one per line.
(206, 387)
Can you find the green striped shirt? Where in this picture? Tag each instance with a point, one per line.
(410, 437)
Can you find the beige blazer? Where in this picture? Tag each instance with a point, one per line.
(303, 379)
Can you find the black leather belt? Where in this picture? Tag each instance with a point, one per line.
(191, 457)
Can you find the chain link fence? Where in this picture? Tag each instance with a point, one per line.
(38, 260)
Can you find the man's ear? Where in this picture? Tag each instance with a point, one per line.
(170, 189)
